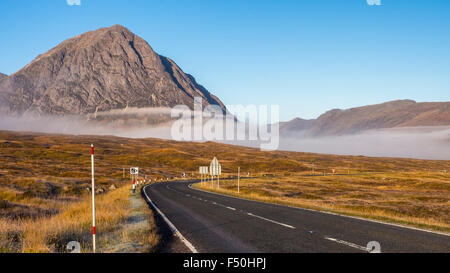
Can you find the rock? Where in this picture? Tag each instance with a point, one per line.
(113, 187)
(99, 71)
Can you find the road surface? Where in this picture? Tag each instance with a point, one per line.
(214, 223)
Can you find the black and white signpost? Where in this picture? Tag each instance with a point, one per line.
(134, 173)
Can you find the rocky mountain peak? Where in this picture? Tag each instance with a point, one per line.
(102, 70)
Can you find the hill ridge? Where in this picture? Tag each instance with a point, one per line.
(101, 70)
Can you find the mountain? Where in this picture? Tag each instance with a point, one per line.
(402, 113)
(296, 125)
(107, 69)
(3, 76)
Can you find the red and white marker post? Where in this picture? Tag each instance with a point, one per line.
(93, 198)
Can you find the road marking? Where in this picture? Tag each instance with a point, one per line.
(195, 197)
(272, 221)
(348, 244)
(325, 212)
(171, 226)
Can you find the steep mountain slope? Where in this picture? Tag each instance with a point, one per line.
(403, 113)
(110, 68)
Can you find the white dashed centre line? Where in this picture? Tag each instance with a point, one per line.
(233, 209)
(272, 221)
(347, 244)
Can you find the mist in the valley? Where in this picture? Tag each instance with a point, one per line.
(79, 126)
(421, 143)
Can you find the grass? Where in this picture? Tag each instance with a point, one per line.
(74, 223)
(410, 198)
(45, 183)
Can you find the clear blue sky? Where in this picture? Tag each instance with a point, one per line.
(306, 56)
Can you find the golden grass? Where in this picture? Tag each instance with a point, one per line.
(411, 198)
(73, 223)
(44, 179)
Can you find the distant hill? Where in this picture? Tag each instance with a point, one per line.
(297, 125)
(402, 113)
(3, 76)
(107, 69)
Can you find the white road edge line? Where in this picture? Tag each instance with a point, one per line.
(329, 213)
(231, 208)
(347, 244)
(171, 226)
(272, 221)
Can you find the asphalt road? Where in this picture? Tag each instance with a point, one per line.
(219, 224)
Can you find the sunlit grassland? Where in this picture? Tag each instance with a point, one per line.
(45, 182)
(74, 223)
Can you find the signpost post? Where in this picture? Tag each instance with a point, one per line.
(203, 174)
(239, 178)
(219, 172)
(134, 173)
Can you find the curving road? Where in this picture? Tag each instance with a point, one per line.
(219, 224)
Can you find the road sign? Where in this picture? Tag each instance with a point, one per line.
(215, 168)
(204, 170)
(134, 170)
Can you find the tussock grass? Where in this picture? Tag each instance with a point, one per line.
(44, 182)
(73, 223)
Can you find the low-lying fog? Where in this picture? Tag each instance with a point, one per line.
(422, 143)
